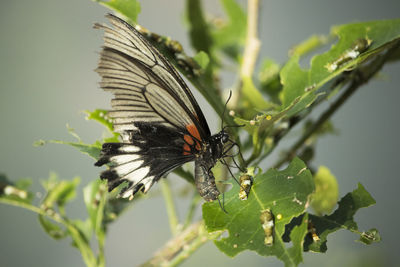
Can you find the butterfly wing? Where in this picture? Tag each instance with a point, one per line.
(160, 122)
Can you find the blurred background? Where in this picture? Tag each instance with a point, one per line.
(47, 56)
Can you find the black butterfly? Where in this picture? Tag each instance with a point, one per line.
(160, 122)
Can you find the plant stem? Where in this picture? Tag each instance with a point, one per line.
(171, 210)
(182, 246)
(253, 44)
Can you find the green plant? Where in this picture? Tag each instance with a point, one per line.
(269, 107)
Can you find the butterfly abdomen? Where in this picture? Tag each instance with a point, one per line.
(205, 182)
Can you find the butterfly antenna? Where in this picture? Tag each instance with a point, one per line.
(223, 113)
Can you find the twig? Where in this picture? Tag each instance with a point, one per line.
(182, 246)
(171, 210)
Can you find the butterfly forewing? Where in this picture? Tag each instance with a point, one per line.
(126, 40)
(160, 123)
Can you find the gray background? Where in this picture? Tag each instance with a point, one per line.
(48, 51)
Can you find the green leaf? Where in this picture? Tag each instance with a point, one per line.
(295, 83)
(297, 236)
(326, 193)
(253, 100)
(130, 9)
(284, 192)
(342, 218)
(202, 59)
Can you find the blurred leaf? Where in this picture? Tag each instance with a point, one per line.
(95, 196)
(326, 193)
(54, 230)
(85, 228)
(202, 59)
(59, 192)
(284, 192)
(342, 218)
(230, 36)
(130, 9)
(198, 28)
(17, 191)
(80, 241)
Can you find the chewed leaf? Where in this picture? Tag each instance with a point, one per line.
(59, 192)
(100, 115)
(342, 218)
(92, 150)
(284, 193)
(358, 42)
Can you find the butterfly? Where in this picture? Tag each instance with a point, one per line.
(160, 123)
